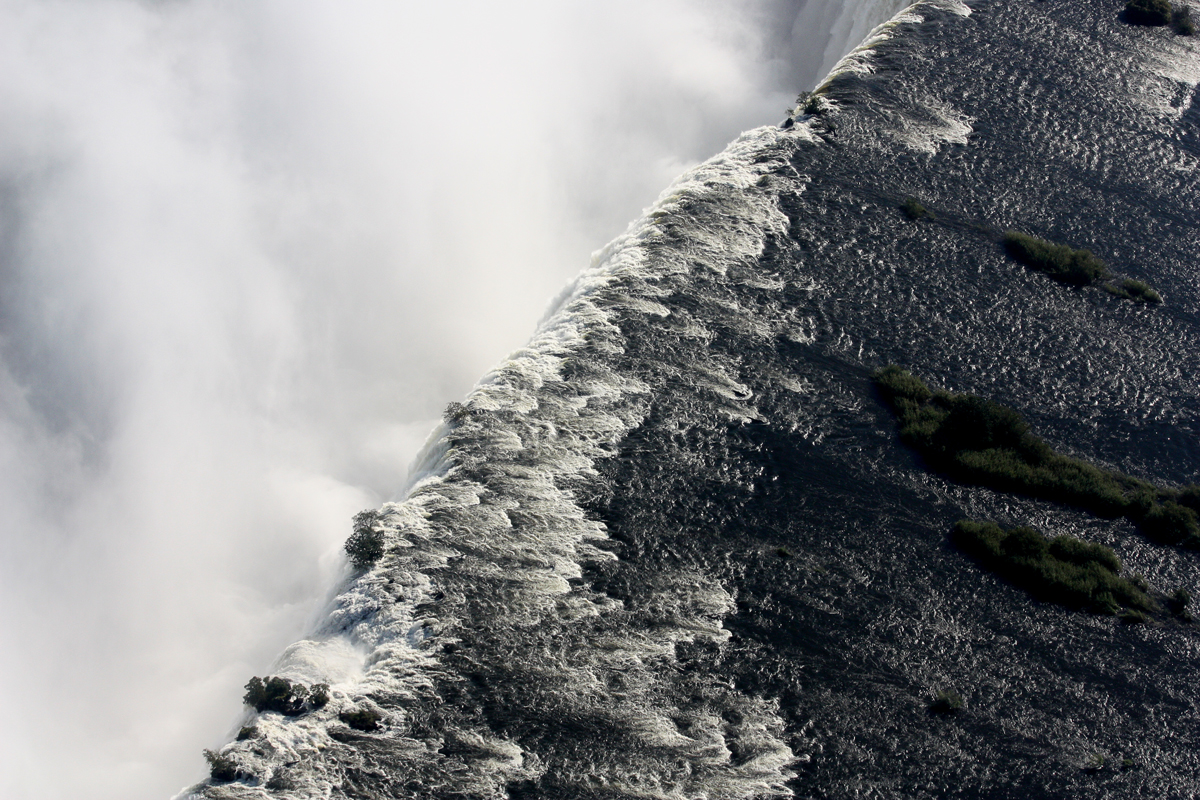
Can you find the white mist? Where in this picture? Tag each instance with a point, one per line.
(248, 251)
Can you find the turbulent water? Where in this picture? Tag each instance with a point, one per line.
(584, 596)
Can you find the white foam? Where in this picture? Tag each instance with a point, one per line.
(932, 124)
(489, 508)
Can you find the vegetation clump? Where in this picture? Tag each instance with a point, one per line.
(811, 103)
(280, 781)
(1169, 523)
(1135, 290)
(1181, 21)
(978, 441)
(362, 719)
(1189, 496)
(946, 703)
(1148, 12)
(455, 413)
(318, 695)
(221, 768)
(1178, 604)
(1058, 261)
(1062, 570)
(365, 545)
(284, 697)
(913, 209)
(1157, 13)
(1131, 616)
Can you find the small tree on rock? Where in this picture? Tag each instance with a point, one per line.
(365, 545)
(318, 696)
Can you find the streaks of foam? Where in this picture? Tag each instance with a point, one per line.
(1171, 73)
(927, 124)
(912, 116)
(860, 60)
(485, 563)
(847, 23)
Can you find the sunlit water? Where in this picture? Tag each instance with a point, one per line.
(585, 595)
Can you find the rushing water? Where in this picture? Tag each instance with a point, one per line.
(584, 595)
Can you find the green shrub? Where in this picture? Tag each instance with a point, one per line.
(221, 768)
(896, 383)
(1025, 543)
(1062, 263)
(1189, 496)
(913, 209)
(1171, 523)
(1178, 602)
(247, 732)
(946, 703)
(1078, 551)
(1148, 12)
(455, 413)
(362, 719)
(978, 441)
(980, 540)
(365, 545)
(1181, 21)
(1135, 290)
(811, 103)
(318, 696)
(973, 423)
(282, 696)
(1064, 570)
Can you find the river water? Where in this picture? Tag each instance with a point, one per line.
(675, 549)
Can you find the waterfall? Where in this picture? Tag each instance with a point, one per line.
(249, 254)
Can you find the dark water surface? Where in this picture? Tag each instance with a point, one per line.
(586, 596)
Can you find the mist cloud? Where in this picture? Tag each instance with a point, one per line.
(248, 251)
